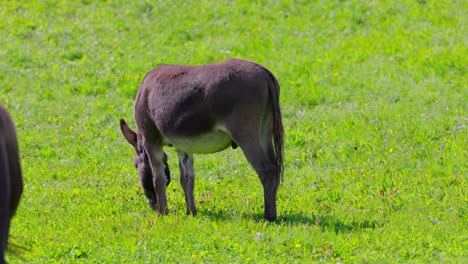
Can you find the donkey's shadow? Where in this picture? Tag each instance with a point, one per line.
(327, 222)
(324, 222)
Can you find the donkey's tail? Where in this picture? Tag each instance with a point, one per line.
(278, 131)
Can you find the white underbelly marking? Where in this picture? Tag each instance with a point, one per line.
(210, 142)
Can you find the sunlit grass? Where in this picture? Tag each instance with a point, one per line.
(374, 99)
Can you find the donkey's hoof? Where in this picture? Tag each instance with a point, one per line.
(270, 218)
(152, 204)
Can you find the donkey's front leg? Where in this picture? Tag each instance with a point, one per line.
(155, 156)
(187, 180)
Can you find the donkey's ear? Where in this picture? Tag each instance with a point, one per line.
(129, 135)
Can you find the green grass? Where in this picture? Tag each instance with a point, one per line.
(375, 105)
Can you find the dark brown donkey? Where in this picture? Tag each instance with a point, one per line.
(11, 182)
(206, 109)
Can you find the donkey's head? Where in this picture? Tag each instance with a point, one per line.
(141, 161)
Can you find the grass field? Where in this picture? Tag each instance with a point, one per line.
(375, 105)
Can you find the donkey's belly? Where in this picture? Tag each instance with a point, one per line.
(210, 142)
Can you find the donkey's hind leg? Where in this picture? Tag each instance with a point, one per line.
(187, 180)
(267, 171)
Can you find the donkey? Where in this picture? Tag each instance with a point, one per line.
(205, 109)
(11, 181)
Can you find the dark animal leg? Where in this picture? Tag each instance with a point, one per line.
(187, 180)
(267, 171)
(148, 187)
(11, 181)
(155, 156)
(4, 199)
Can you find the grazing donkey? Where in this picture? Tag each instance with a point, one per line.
(11, 182)
(206, 109)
